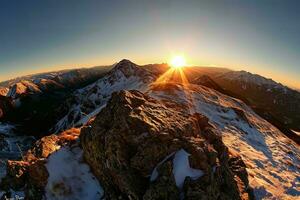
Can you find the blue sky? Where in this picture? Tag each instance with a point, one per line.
(257, 36)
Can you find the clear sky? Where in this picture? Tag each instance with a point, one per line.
(258, 36)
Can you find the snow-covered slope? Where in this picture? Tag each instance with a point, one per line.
(276, 102)
(87, 101)
(273, 160)
(248, 77)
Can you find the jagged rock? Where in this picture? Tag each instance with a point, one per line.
(159, 189)
(43, 148)
(132, 136)
(49, 144)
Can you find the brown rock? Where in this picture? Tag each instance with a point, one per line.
(38, 173)
(135, 132)
(43, 148)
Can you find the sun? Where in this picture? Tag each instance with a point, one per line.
(178, 62)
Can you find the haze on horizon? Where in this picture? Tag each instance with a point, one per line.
(260, 37)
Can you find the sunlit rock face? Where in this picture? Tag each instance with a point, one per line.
(141, 148)
(3, 91)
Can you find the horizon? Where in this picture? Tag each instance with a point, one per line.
(55, 69)
(254, 36)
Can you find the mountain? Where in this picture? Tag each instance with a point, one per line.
(129, 136)
(65, 77)
(272, 100)
(87, 102)
(36, 98)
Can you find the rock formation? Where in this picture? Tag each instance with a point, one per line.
(136, 144)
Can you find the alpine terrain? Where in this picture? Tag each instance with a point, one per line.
(149, 132)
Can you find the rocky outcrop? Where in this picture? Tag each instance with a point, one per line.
(137, 145)
(31, 175)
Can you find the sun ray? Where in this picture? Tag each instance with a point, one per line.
(176, 75)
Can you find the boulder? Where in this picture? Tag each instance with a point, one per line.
(134, 143)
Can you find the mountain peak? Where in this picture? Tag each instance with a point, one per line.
(125, 65)
(125, 61)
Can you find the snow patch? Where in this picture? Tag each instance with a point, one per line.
(70, 178)
(182, 169)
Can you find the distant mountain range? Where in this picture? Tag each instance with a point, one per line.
(35, 100)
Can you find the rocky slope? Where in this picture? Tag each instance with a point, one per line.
(139, 148)
(263, 111)
(272, 159)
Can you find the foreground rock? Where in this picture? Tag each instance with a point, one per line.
(140, 148)
(31, 174)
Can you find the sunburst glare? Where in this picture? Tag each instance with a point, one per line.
(178, 61)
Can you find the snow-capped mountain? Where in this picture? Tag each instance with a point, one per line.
(272, 98)
(23, 88)
(86, 102)
(248, 77)
(32, 101)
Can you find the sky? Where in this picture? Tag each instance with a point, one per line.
(257, 36)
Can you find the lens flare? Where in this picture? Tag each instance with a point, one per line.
(178, 62)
